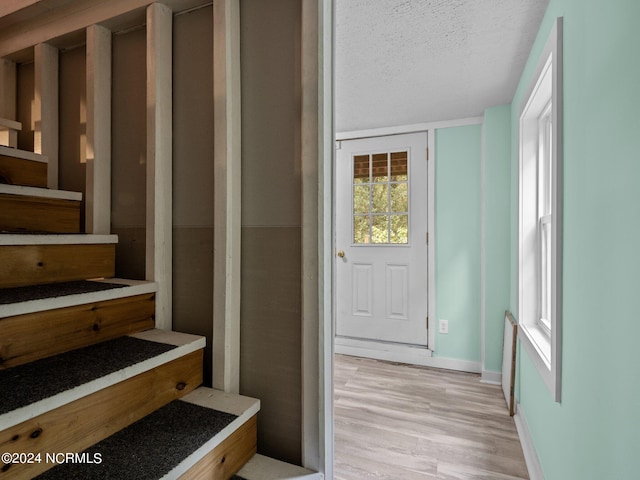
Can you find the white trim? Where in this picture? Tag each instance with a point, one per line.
(40, 192)
(483, 288)
(402, 129)
(394, 352)
(159, 229)
(491, 377)
(528, 445)
(326, 236)
(56, 239)
(431, 252)
(227, 196)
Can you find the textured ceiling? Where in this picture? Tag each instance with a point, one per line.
(400, 62)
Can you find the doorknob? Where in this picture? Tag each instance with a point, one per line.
(341, 253)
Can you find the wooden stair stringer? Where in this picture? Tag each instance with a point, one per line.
(81, 416)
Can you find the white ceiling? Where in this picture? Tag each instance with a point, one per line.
(401, 62)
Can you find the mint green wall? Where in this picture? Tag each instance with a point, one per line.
(458, 158)
(497, 200)
(595, 432)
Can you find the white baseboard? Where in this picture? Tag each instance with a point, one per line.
(528, 447)
(491, 377)
(413, 355)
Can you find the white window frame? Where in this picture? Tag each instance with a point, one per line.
(541, 336)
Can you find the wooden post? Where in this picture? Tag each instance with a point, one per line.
(317, 141)
(159, 158)
(45, 108)
(98, 146)
(8, 136)
(226, 259)
(8, 89)
(310, 230)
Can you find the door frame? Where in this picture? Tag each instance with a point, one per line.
(416, 145)
(389, 351)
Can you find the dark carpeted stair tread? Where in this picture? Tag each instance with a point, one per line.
(26, 384)
(149, 448)
(39, 292)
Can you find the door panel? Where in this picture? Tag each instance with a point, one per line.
(362, 278)
(397, 295)
(381, 225)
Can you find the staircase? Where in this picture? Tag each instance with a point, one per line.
(88, 387)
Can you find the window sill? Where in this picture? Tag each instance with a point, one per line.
(538, 345)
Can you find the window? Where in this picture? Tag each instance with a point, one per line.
(545, 215)
(540, 214)
(381, 198)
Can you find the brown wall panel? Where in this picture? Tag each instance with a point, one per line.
(270, 365)
(128, 151)
(193, 220)
(270, 349)
(72, 122)
(193, 286)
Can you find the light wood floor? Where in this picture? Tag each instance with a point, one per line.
(401, 422)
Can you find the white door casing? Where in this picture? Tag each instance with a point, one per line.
(381, 239)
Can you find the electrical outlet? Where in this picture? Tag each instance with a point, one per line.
(443, 326)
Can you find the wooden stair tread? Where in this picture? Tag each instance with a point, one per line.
(40, 192)
(56, 239)
(62, 295)
(23, 154)
(86, 371)
(168, 442)
(265, 468)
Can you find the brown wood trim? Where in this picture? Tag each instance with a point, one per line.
(20, 213)
(19, 171)
(86, 421)
(227, 458)
(38, 264)
(29, 337)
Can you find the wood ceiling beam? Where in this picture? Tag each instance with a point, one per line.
(31, 24)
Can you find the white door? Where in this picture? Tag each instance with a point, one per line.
(381, 239)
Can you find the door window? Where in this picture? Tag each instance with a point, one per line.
(381, 198)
